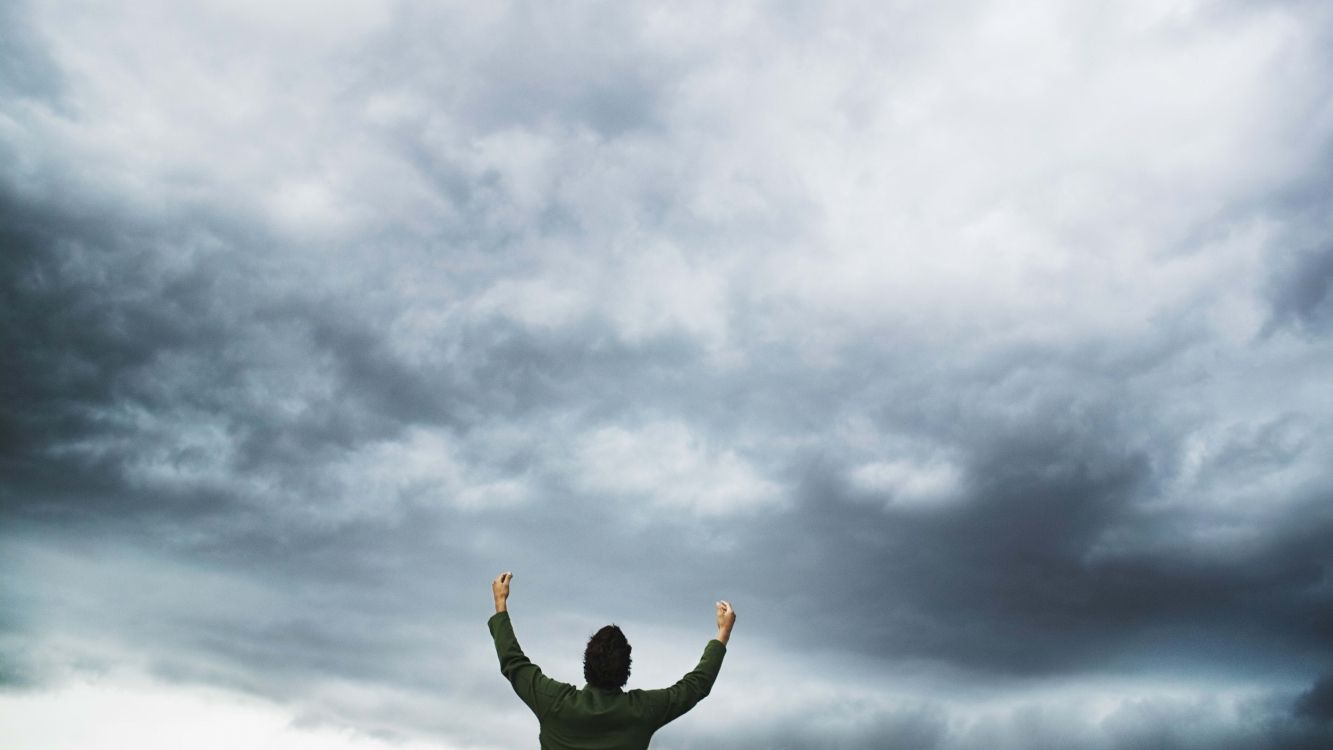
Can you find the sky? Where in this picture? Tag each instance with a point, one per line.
(977, 352)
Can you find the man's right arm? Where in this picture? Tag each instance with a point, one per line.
(535, 689)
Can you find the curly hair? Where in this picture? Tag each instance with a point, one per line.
(606, 660)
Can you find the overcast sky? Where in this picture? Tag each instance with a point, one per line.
(978, 352)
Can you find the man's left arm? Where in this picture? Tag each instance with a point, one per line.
(670, 703)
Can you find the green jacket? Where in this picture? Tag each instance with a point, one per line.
(591, 718)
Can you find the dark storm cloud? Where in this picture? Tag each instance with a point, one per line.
(190, 349)
(116, 333)
(544, 301)
(1034, 549)
(1317, 703)
(1164, 722)
(1023, 562)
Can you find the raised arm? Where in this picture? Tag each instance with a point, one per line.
(671, 703)
(535, 689)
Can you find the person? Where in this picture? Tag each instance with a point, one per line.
(601, 715)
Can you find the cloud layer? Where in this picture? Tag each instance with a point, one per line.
(976, 352)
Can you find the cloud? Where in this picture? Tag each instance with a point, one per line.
(982, 343)
(666, 465)
(907, 483)
(1317, 702)
(28, 70)
(1303, 290)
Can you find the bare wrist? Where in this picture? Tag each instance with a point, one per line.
(723, 635)
(501, 605)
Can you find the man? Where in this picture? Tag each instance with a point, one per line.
(600, 715)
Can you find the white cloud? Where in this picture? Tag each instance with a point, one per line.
(113, 715)
(908, 484)
(672, 468)
(425, 467)
(662, 291)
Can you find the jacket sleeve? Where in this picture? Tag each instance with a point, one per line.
(535, 689)
(671, 703)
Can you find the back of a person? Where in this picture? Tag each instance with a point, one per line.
(598, 719)
(601, 715)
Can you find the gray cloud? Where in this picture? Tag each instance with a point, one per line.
(1317, 703)
(967, 361)
(26, 69)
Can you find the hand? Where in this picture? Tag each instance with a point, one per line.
(500, 590)
(726, 618)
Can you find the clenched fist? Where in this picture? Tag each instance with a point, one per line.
(500, 590)
(726, 618)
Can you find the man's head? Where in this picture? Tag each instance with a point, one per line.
(606, 661)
